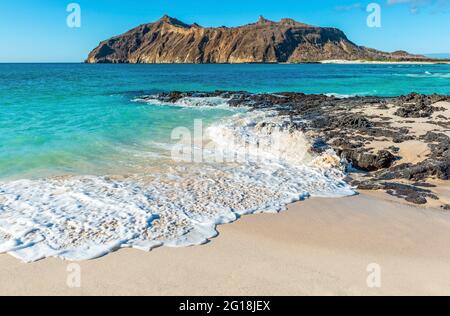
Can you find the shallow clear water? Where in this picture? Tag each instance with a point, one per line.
(79, 119)
(119, 186)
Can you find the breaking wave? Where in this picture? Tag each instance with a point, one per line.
(428, 74)
(198, 102)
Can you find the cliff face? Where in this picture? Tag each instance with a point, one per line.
(169, 40)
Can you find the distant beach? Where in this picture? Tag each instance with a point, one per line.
(375, 62)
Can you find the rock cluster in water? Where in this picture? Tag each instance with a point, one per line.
(350, 126)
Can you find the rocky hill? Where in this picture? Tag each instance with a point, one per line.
(169, 40)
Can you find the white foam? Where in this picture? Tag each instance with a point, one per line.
(260, 136)
(429, 75)
(197, 102)
(346, 96)
(340, 95)
(84, 217)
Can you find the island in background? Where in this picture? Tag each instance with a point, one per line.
(169, 40)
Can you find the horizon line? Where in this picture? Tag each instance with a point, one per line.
(447, 56)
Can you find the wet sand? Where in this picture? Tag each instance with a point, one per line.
(318, 246)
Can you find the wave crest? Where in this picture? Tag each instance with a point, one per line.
(197, 102)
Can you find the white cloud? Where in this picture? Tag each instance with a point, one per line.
(415, 6)
(349, 7)
(400, 1)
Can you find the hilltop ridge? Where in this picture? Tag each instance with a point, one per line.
(169, 40)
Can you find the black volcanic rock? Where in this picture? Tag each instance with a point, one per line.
(169, 40)
(418, 105)
(367, 161)
(345, 126)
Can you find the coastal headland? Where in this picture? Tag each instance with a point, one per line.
(169, 40)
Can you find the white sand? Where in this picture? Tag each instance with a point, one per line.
(411, 151)
(357, 62)
(319, 246)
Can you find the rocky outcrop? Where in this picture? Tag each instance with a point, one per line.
(416, 105)
(351, 127)
(368, 161)
(169, 40)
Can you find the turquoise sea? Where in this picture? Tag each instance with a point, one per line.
(83, 122)
(80, 119)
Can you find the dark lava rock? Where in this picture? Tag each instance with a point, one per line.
(446, 207)
(439, 144)
(346, 143)
(334, 125)
(319, 146)
(366, 185)
(413, 110)
(418, 172)
(435, 137)
(351, 121)
(417, 98)
(408, 192)
(171, 97)
(418, 105)
(398, 135)
(394, 149)
(368, 161)
(424, 185)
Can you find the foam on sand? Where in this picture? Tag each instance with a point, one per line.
(85, 217)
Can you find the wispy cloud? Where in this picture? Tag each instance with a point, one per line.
(349, 7)
(415, 6)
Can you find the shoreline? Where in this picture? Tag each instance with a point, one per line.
(395, 145)
(375, 62)
(323, 62)
(320, 246)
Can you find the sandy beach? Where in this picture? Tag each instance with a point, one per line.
(295, 148)
(317, 247)
(320, 246)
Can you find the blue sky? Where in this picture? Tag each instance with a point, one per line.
(36, 31)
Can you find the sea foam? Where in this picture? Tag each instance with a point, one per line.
(198, 102)
(175, 204)
(428, 74)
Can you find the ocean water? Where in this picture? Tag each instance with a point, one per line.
(86, 167)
